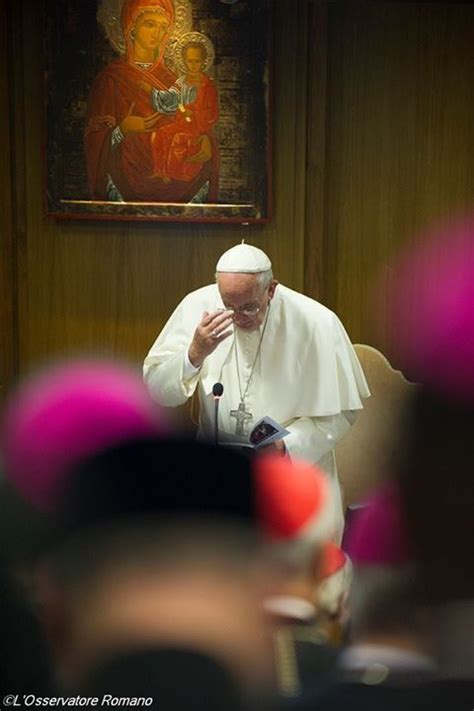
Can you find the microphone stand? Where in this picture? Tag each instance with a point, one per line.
(217, 391)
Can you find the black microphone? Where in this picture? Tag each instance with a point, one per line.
(217, 390)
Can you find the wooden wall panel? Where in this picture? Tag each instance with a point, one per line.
(7, 271)
(399, 138)
(316, 151)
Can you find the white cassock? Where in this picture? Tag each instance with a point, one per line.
(307, 375)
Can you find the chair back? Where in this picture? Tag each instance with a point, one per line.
(363, 455)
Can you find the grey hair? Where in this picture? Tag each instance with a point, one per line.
(263, 278)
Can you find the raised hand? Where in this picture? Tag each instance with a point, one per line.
(210, 332)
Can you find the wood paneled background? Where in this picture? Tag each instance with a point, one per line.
(373, 140)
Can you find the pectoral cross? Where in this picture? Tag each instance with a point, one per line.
(241, 415)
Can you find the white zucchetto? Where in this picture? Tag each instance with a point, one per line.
(244, 259)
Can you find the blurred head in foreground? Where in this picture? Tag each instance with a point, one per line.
(188, 542)
(429, 299)
(298, 517)
(51, 421)
(382, 602)
(430, 302)
(159, 551)
(66, 413)
(297, 513)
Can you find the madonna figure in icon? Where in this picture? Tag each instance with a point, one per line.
(131, 101)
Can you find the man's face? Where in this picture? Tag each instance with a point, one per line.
(242, 292)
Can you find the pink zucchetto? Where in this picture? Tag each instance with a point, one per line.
(430, 311)
(377, 535)
(67, 413)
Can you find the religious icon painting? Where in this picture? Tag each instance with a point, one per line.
(158, 109)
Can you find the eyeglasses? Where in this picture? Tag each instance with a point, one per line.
(245, 310)
(249, 310)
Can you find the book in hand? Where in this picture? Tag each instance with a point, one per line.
(265, 432)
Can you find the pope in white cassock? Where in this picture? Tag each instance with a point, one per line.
(276, 352)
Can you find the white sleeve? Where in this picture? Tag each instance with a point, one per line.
(167, 371)
(165, 101)
(311, 438)
(117, 137)
(189, 370)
